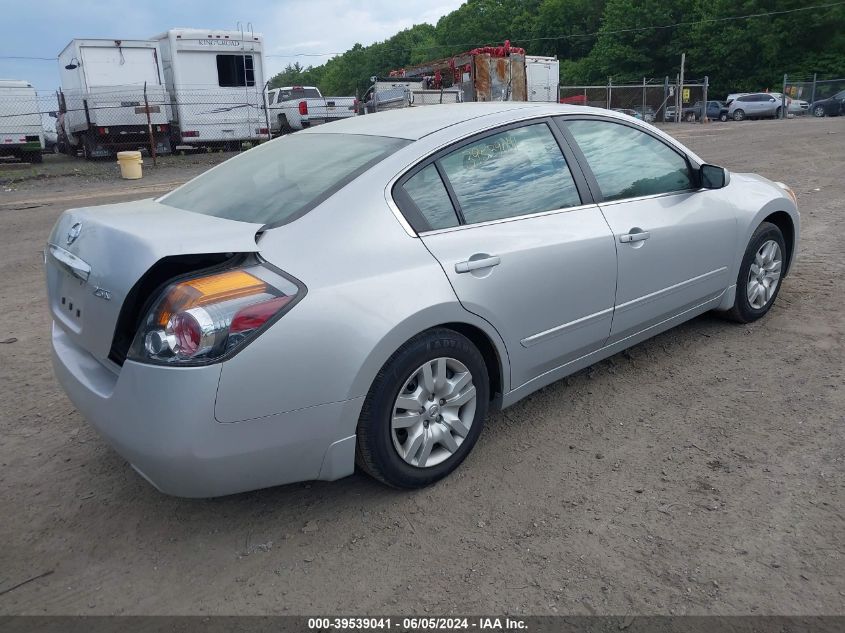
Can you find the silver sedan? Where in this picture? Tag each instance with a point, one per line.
(365, 292)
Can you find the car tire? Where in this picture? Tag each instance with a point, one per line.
(723, 117)
(778, 112)
(739, 115)
(818, 111)
(382, 432)
(746, 310)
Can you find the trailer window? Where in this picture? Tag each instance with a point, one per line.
(235, 71)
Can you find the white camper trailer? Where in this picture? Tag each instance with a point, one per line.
(101, 103)
(216, 81)
(21, 133)
(542, 76)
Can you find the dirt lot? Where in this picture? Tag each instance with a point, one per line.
(699, 472)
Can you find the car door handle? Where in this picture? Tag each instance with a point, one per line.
(476, 264)
(639, 236)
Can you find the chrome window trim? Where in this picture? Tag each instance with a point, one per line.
(515, 218)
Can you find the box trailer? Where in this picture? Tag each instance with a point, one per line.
(542, 76)
(490, 73)
(102, 103)
(21, 132)
(216, 81)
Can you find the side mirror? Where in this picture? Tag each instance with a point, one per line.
(714, 177)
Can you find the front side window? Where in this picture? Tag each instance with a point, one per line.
(512, 173)
(235, 71)
(627, 162)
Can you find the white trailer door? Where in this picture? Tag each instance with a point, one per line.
(119, 66)
(539, 76)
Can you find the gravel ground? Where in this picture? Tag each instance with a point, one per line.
(700, 472)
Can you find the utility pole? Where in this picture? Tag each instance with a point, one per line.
(704, 102)
(681, 89)
(609, 90)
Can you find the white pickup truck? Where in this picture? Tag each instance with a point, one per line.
(297, 107)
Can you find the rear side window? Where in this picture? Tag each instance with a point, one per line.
(627, 162)
(298, 93)
(516, 172)
(429, 195)
(282, 180)
(235, 71)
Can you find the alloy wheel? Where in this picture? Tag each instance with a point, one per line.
(764, 275)
(433, 412)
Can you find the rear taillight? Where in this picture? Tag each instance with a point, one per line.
(103, 130)
(190, 133)
(204, 319)
(303, 107)
(261, 130)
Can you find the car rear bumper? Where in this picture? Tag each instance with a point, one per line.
(161, 419)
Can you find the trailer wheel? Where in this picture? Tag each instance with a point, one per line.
(32, 157)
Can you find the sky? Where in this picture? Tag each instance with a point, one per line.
(42, 28)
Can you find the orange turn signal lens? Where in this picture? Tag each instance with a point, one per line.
(231, 284)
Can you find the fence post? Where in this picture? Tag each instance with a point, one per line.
(677, 116)
(665, 97)
(609, 89)
(681, 88)
(813, 96)
(704, 100)
(643, 112)
(783, 99)
(266, 106)
(149, 126)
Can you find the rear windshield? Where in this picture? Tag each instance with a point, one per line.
(298, 93)
(282, 180)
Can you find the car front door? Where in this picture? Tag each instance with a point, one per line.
(675, 243)
(503, 213)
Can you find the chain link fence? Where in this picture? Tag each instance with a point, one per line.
(101, 122)
(814, 95)
(651, 100)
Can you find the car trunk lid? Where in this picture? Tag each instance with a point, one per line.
(96, 255)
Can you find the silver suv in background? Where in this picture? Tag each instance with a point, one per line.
(754, 105)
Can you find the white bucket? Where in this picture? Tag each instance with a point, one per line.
(130, 165)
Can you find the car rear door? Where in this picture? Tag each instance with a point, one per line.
(675, 242)
(509, 217)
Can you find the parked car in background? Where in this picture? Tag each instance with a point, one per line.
(648, 115)
(298, 107)
(793, 106)
(364, 292)
(694, 112)
(755, 105)
(51, 145)
(669, 113)
(832, 106)
(404, 92)
(630, 112)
